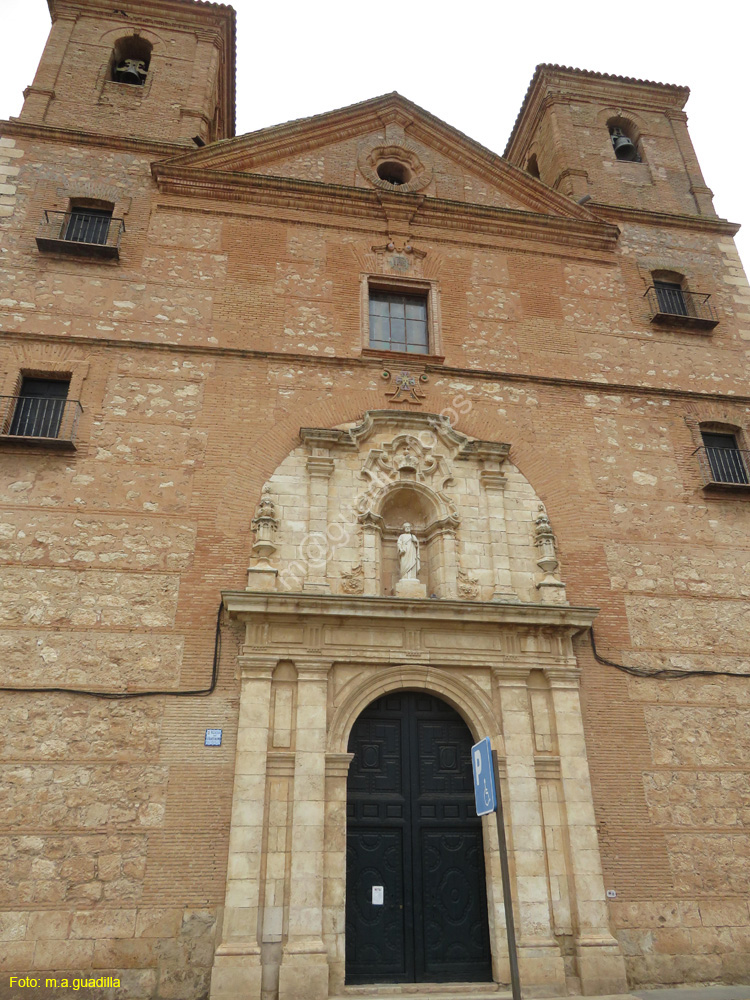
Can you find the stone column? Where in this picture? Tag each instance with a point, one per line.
(237, 964)
(304, 965)
(319, 470)
(540, 962)
(334, 889)
(601, 966)
(497, 531)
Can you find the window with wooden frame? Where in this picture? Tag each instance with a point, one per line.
(398, 322)
(400, 315)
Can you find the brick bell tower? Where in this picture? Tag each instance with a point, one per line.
(148, 69)
(622, 142)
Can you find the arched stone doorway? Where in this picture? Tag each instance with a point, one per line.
(416, 902)
(324, 639)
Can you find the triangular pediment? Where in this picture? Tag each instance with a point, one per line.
(348, 147)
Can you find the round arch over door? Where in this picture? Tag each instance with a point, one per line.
(414, 840)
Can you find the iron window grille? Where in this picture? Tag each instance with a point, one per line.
(722, 462)
(42, 413)
(83, 232)
(398, 322)
(671, 303)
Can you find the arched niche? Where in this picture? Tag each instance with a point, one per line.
(434, 523)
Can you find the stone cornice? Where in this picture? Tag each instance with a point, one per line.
(78, 137)
(429, 213)
(700, 223)
(338, 610)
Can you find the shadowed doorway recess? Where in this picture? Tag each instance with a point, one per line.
(414, 841)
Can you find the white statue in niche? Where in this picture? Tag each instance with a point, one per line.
(408, 551)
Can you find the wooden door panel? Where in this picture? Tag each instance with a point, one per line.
(375, 934)
(412, 828)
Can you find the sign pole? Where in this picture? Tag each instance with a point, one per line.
(510, 927)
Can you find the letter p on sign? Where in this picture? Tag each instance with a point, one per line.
(484, 778)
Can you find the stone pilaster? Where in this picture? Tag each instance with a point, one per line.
(702, 195)
(334, 887)
(601, 966)
(319, 470)
(540, 962)
(494, 504)
(371, 542)
(304, 965)
(195, 113)
(37, 97)
(237, 969)
(445, 579)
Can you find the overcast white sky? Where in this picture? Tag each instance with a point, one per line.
(469, 63)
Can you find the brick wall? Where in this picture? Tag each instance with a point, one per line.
(223, 328)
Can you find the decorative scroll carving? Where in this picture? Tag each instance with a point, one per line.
(468, 587)
(353, 582)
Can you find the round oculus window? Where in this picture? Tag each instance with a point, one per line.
(394, 172)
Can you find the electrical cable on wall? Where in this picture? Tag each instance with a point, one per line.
(668, 674)
(121, 695)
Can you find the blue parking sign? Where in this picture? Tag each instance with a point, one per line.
(484, 777)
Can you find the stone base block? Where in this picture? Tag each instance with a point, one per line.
(411, 588)
(541, 969)
(506, 596)
(261, 578)
(236, 977)
(303, 975)
(601, 967)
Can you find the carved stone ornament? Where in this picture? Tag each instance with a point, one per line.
(264, 525)
(406, 457)
(551, 588)
(374, 151)
(353, 582)
(406, 387)
(468, 587)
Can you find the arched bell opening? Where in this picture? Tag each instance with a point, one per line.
(416, 899)
(625, 140)
(130, 61)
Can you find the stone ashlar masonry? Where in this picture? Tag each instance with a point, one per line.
(227, 325)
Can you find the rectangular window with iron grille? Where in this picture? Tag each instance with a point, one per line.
(88, 225)
(725, 459)
(398, 322)
(671, 298)
(39, 408)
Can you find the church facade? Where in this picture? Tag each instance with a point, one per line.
(324, 449)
